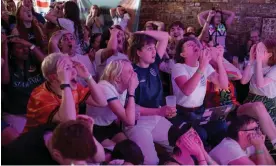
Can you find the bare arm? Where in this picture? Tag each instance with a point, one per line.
(206, 25)
(219, 78)
(188, 86)
(127, 115)
(230, 19)
(5, 75)
(54, 41)
(201, 17)
(99, 22)
(148, 111)
(51, 18)
(159, 24)
(162, 40)
(89, 21)
(112, 12)
(261, 80)
(97, 98)
(67, 109)
(39, 55)
(242, 161)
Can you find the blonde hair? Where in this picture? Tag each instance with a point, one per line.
(113, 70)
(49, 64)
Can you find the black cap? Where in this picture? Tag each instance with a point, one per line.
(175, 133)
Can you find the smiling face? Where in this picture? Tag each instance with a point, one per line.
(67, 44)
(176, 32)
(147, 53)
(26, 14)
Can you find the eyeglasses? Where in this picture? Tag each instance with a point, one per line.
(257, 129)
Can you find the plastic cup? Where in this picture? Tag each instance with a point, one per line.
(171, 101)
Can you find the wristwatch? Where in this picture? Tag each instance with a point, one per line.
(62, 86)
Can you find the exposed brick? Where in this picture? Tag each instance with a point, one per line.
(260, 14)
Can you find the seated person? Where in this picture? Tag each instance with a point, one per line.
(189, 80)
(57, 99)
(127, 152)
(188, 148)
(261, 73)
(116, 48)
(63, 41)
(69, 143)
(243, 132)
(118, 84)
(21, 73)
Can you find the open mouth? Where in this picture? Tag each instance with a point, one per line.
(70, 46)
(74, 81)
(119, 41)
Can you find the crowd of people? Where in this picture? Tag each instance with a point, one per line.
(74, 93)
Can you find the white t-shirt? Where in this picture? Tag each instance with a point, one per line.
(227, 151)
(197, 97)
(84, 59)
(100, 66)
(268, 90)
(103, 116)
(122, 21)
(66, 24)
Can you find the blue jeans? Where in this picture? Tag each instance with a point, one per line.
(211, 133)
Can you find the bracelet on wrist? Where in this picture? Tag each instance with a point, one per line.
(88, 78)
(131, 96)
(259, 152)
(200, 72)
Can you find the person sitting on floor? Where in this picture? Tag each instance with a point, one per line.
(57, 99)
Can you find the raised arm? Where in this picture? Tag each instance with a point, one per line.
(5, 75)
(54, 41)
(261, 80)
(39, 55)
(67, 109)
(201, 17)
(99, 21)
(247, 73)
(206, 25)
(112, 12)
(112, 45)
(187, 86)
(51, 17)
(89, 21)
(162, 40)
(230, 19)
(219, 78)
(96, 98)
(127, 114)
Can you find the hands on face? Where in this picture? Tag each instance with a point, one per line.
(260, 51)
(81, 70)
(204, 58)
(63, 71)
(256, 139)
(133, 83)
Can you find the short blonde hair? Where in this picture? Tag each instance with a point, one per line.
(49, 64)
(113, 70)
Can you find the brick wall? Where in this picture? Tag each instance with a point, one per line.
(260, 14)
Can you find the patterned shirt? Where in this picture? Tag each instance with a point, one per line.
(44, 104)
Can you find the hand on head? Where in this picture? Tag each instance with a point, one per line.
(133, 83)
(63, 72)
(82, 71)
